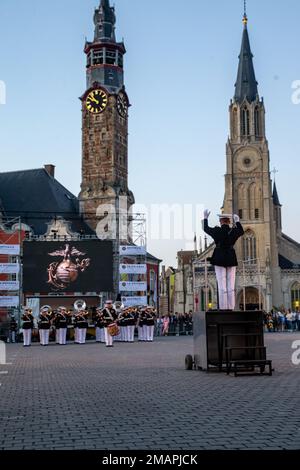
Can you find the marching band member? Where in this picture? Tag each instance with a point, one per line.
(61, 322)
(122, 323)
(130, 325)
(82, 324)
(109, 317)
(141, 324)
(27, 326)
(44, 325)
(224, 257)
(76, 329)
(56, 324)
(150, 321)
(100, 336)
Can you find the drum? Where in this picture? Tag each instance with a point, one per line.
(113, 329)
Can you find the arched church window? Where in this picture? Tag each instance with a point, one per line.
(234, 122)
(242, 201)
(245, 121)
(295, 295)
(249, 248)
(257, 122)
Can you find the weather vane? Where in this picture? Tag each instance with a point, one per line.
(245, 17)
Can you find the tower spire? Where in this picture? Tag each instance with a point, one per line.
(105, 20)
(245, 17)
(246, 84)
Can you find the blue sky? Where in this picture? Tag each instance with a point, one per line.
(180, 71)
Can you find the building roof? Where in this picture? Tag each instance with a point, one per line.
(275, 196)
(37, 197)
(185, 256)
(290, 240)
(285, 263)
(246, 84)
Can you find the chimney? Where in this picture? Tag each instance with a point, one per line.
(50, 170)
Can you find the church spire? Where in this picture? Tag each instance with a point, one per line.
(275, 196)
(246, 84)
(105, 20)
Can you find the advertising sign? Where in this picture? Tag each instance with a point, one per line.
(133, 268)
(133, 286)
(128, 250)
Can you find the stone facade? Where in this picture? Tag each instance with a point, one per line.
(104, 133)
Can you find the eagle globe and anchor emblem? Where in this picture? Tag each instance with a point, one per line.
(63, 273)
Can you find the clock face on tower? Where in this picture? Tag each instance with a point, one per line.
(122, 105)
(96, 101)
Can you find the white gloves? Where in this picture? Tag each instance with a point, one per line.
(206, 214)
(236, 218)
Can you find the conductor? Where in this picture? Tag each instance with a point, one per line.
(224, 257)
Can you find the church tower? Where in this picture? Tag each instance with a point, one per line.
(105, 107)
(248, 185)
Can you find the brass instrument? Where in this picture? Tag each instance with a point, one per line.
(79, 305)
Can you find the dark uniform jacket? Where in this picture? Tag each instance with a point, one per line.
(27, 322)
(44, 322)
(109, 316)
(61, 321)
(82, 322)
(225, 239)
(149, 319)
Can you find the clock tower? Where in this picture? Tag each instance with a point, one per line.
(248, 185)
(105, 107)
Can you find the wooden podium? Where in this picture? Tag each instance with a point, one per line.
(229, 341)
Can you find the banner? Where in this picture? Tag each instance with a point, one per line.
(9, 301)
(10, 250)
(133, 286)
(128, 250)
(132, 268)
(9, 268)
(9, 285)
(134, 301)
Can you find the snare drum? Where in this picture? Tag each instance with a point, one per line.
(113, 329)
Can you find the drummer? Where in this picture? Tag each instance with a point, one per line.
(110, 316)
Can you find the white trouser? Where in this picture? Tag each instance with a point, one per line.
(150, 332)
(141, 333)
(44, 337)
(27, 337)
(81, 335)
(57, 335)
(123, 333)
(62, 336)
(145, 331)
(102, 335)
(226, 286)
(98, 334)
(126, 331)
(130, 333)
(108, 338)
(76, 335)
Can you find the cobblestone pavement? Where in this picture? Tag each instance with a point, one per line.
(139, 396)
